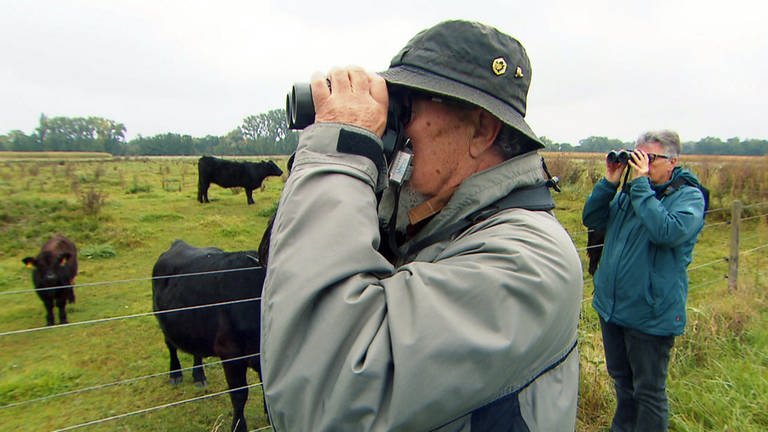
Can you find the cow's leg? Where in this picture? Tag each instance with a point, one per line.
(255, 364)
(249, 194)
(61, 304)
(48, 302)
(198, 373)
(227, 348)
(202, 191)
(175, 368)
(235, 374)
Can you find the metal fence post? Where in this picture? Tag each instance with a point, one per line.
(733, 260)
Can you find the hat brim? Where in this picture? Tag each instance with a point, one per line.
(432, 83)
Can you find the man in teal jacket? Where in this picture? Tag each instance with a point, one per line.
(641, 283)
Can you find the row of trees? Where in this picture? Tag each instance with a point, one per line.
(262, 134)
(68, 134)
(265, 134)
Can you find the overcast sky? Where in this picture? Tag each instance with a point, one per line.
(600, 67)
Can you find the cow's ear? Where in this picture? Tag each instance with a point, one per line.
(29, 261)
(63, 258)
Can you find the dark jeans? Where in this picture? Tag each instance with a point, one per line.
(638, 363)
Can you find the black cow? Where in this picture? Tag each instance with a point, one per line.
(55, 266)
(248, 175)
(228, 331)
(595, 240)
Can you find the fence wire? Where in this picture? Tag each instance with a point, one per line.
(155, 408)
(116, 383)
(122, 281)
(138, 315)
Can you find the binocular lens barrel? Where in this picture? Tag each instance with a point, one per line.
(299, 107)
(618, 156)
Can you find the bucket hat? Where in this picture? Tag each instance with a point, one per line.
(472, 62)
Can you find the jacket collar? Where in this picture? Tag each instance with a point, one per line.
(486, 187)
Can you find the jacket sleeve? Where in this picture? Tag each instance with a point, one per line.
(598, 204)
(351, 343)
(673, 221)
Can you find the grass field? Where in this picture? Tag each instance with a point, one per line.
(124, 212)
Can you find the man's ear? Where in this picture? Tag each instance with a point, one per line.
(487, 128)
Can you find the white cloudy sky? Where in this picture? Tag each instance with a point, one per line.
(600, 67)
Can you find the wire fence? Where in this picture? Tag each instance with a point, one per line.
(137, 315)
(121, 382)
(155, 408)
(237, 301)
(134, 280)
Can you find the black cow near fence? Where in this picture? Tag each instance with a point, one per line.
(248, 175)
(595, 240)
(55, 266)
(230, 331)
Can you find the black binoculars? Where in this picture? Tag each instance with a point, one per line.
(619, 156)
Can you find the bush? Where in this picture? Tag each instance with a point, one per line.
(101, 251)
(137, 188)
(92, 201)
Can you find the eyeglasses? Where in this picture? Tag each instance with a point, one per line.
(652, 156)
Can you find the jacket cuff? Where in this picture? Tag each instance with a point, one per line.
(325, 142)
(641, 183)
(605, 184)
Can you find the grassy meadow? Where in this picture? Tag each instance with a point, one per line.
(124, 212)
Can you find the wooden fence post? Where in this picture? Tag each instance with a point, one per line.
(733, 260)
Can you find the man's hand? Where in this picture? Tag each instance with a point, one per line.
(613, 171)
(354, 97)
(639, 163)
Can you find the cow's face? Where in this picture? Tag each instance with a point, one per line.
(50, 270)
(273, 169)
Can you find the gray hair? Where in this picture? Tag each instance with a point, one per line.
(668, 139)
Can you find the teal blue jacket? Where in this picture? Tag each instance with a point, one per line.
(650, 231)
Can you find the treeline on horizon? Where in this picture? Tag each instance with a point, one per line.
(268, 134)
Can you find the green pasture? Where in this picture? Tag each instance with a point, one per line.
(124, 212)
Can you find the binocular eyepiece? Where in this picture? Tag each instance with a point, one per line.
(618, 156)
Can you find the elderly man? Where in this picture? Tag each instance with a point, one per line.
(641, 283)
(471, 324)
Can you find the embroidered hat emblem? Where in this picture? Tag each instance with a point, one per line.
(519, 72)
(499, 66)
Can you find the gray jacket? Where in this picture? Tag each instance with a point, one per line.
(472, 332)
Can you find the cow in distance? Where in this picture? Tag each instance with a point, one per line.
(55, 268)
(228, 174)
(184, 277)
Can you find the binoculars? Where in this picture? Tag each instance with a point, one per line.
(619, 156)
(300, 113)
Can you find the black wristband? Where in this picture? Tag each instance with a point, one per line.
(361, 145)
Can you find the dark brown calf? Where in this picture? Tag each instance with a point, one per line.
(54, 275)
